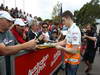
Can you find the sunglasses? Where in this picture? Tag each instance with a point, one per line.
(20, 26)
(44, 27)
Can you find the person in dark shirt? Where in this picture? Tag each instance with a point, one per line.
(98, 41)
(91, 47)
(2, 7)
(32, 33)
(56, 35)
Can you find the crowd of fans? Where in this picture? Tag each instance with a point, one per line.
(26, 27)
(18, 13)
(15, 12)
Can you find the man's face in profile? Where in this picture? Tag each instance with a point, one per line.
(5, 24)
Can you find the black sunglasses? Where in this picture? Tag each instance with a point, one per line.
(44, 27)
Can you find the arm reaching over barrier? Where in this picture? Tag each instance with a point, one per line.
(6, 50)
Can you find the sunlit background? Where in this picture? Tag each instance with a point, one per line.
(43, 8)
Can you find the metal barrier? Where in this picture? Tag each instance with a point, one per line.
(2, 65)
(7, 64)
(12, 58)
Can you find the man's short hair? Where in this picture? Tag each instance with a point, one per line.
(67, 14)
(44, 23)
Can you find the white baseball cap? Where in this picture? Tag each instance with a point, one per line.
(6, 15)
(19, 22)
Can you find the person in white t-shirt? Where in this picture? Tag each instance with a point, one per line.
(44, 35)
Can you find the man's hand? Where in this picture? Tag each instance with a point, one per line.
(41, 37)
(59, 47)
(32, 43)
(54, 44)
(5, 50)
(85, 36)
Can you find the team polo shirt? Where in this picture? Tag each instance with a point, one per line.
(73, 35)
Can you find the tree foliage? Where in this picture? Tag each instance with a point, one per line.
(88, 13)
(56, 17)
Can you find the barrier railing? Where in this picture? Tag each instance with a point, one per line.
(2, 65)
(41, 62)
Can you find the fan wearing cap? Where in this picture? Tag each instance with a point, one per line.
(18, 30)
(8, 44)
(8, 20)
(56, 35)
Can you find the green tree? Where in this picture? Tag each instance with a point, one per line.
(47, 20)
(88, 13)
(39, 18)
(56, 13)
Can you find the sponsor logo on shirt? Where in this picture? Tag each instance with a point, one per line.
(6, 41)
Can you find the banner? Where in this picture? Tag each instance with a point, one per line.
(42, 62)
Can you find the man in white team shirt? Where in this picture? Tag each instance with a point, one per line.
(71, 44)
